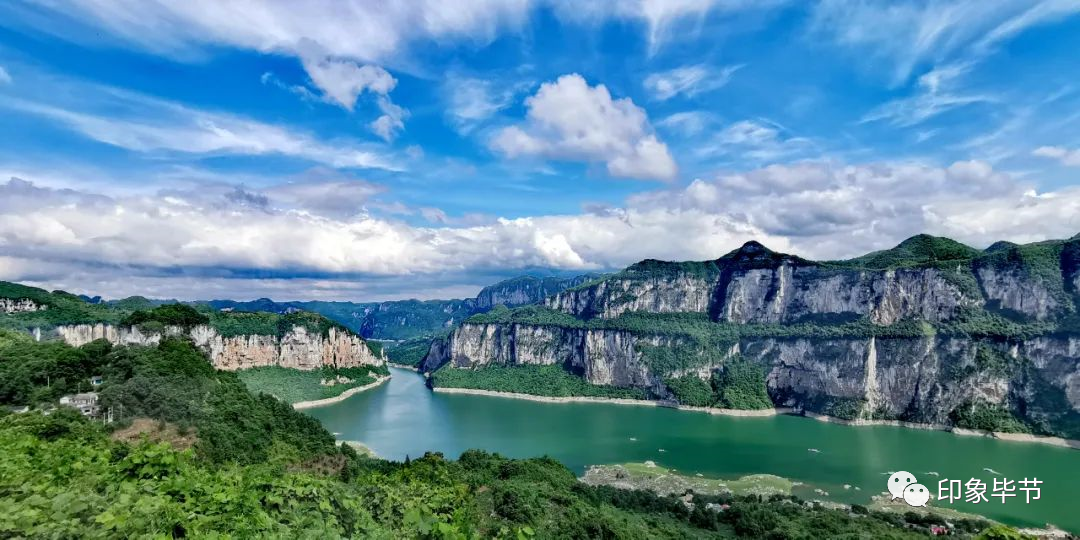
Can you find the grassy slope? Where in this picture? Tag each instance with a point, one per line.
(294, 386)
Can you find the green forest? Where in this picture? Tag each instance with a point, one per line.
(257, 468)
(294, 385)
(553, 381)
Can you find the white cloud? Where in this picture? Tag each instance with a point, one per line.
(391, 122)
(143, 124)
(687, 123)
(663, 19)
(936, 93)
(926, 33)
(319, 226)
(5, 78)
(757, 140)
(688, 80)
(1069, 158)
(342, 80)
(569, 120)
(472, 101)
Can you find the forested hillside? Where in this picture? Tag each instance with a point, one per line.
(215, 460)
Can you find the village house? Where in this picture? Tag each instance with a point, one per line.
(86, 403)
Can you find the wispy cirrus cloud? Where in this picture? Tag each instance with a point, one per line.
(930, 33)
(688, 80)
(937, 92)
(144, 124)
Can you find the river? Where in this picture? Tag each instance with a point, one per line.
(403, 417)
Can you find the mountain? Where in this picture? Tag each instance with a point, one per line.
(410, 319)
(232, 340)
(930, 331)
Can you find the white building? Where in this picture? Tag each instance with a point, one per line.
(86, 403)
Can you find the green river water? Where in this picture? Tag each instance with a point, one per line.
(402, 417)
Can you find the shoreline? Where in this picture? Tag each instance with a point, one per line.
(300, 405)
(762, 413)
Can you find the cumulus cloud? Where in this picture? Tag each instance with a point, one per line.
(320, 226)
(688, 80)
(1069, 158)
(341, 79)
(569, 120)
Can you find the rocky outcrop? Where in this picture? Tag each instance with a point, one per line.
(19, 305)
(743, 288)
(914, 379)
(525, 290)
(960, 297)
(1012, 289)
(298, 349)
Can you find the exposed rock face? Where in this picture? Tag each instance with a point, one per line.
(612, 297)
(916, 379)
(1011, 289)
(525, 290)
(922, 377)
(19, 305)
(298, 349)
(790, 292)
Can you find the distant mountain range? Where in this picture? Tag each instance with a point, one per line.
(408, 319)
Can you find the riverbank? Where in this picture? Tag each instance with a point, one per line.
(759, 413)
(341, 397)
(1014, 437)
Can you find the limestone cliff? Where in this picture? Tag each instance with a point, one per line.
(19, 305)
(913, 333)
(298, 349)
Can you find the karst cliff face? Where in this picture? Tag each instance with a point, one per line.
(298, 349)
(19, 305)
(919, 375)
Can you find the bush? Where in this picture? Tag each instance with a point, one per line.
(741, 385)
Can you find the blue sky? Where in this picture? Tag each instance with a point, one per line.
(358, 151)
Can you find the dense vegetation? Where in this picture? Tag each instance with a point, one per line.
(166, 315)
(739, 384)
(410, 352)
(63, 477)
(293, 385)
(534, 380)
(920, 250)
(987, 416)
(60, 308)
(260, 469)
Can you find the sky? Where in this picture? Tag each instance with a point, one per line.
(364, 150)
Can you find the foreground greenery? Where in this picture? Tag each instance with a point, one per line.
(172, 382)
(294, 386)
(259, 469)
(551, 381)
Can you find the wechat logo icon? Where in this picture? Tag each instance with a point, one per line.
(903, 485)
